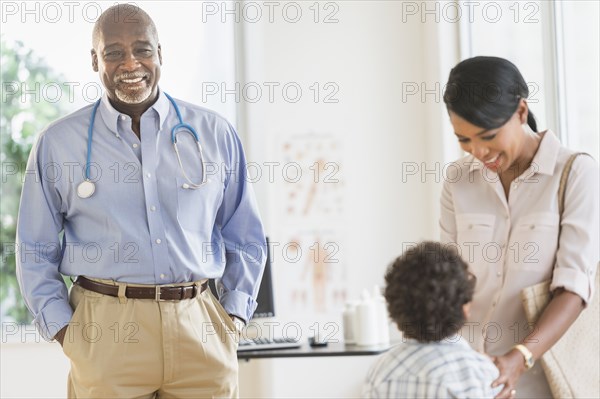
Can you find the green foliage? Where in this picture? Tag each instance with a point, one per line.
(22, 117)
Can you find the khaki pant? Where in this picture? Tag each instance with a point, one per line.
(141, 348)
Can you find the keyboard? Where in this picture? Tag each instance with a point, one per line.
(257, 344)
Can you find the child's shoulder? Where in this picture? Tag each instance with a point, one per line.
(460, 351)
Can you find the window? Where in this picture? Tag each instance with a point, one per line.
(556, 46)
(578, 37)
(513, 30)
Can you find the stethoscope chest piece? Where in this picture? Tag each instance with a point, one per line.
(85, 189)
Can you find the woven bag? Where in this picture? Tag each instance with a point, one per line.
(572, 365)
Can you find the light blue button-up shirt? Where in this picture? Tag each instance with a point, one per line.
(141, 225)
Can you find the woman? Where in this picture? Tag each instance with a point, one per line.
(500, 206)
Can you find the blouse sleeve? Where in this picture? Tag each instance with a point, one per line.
(578, 250)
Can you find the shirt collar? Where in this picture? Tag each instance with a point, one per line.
(547, 154)
(544, 159)
(111, 116)
(454, 339)
(474, 164)
(161, 106)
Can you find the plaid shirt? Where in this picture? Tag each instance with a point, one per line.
(445, 369)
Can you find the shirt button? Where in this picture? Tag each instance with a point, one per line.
(135, 145)
(123, 117)
(532, 226)
(470, 226)
(158, 241)
(148, 174)
(162, 275)
(185, 185)
(152, 208)
(499, 274)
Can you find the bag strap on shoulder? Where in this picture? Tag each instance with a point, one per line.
(563, 182)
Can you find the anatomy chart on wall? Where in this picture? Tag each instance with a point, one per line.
(312, 176)
(314, 270)
(310, 216)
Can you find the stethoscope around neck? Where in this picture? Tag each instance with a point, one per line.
(87, 188)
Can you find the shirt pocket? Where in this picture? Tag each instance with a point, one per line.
(534, 241)
(197, 207)
(474, 233)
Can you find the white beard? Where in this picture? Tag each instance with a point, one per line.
(135, 97)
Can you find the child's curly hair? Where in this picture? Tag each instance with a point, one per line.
(426, 289)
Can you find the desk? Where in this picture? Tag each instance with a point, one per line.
(332, 349)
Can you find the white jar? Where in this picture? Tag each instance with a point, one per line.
(366, 321)
(383, 329)
(349, 322)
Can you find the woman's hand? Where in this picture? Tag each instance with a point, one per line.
(511, 365)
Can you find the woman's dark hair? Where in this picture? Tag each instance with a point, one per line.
(485, 91)
(426, 289)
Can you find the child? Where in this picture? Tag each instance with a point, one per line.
(428, 292)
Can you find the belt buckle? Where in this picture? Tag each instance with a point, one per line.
(157, 288)
(192, 288)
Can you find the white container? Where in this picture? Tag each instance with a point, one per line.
(366, 321)
(383, 329)
(349, 322)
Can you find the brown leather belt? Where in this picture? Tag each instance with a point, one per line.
(158, 292)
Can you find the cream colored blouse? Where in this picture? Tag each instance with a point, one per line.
(511, 244)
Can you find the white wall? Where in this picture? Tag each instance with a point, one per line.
(32, 370)
(370, 54)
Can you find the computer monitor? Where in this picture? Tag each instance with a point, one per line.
(265, 297)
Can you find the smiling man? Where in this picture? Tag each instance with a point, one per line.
(162, 205)
(128, 58)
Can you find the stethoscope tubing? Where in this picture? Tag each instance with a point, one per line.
(90, 187)
(89, 143)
